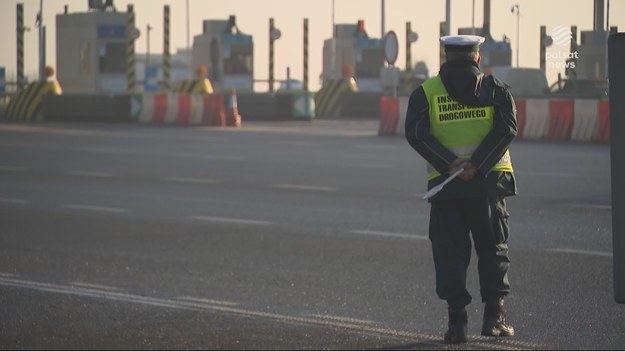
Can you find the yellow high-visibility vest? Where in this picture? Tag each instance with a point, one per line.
(458, 127)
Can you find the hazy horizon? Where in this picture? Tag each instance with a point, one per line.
(253, 18)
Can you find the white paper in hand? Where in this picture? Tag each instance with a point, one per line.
(438, 188)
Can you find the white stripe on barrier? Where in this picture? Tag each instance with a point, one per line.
(197, 109)
(403, 109)
(172, 108)
(536, 119)
(585, 119)
(147, 110)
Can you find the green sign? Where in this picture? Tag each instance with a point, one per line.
(304, 105)
(136, 106)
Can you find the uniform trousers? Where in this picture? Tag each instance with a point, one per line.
(451, 221)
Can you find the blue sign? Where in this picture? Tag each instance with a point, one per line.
(2, 80)
(151, 79)
(238, 38)
(368, 43)
(108, 31)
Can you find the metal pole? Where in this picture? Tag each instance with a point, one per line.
(543, 34)
(383, 31)
(333, 23)
(188, 29)
(607, 35)
(147, 55)
(305, 81)
(333, 65)
(616, 56)
(441, 51)
(166, 56)
(518, 20)
(473, 18)
(43, 53)
(41, 44)
(130, 50)
(408, 50)
(447, 17)
(271, 63)
(20, 45)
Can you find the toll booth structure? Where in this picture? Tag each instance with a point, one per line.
(91, 49)
(352, 52)
(227, 53)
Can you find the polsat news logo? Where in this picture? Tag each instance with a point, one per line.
(560, 36)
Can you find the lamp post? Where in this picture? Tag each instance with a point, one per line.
(147, 56)
(42, 44)
(515, 9)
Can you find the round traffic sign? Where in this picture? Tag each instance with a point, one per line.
(391, 47)
(135, 33)
(275, 34)
(413, 37)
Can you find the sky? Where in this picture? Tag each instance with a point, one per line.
(253, 16)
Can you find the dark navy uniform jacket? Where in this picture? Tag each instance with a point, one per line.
(466, 84)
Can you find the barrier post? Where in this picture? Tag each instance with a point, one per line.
(130, 49)
(616, 57)
(20, 46)
(305, 81)
(166, 54)
(271, 63)
(543, 35)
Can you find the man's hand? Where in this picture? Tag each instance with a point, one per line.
(457, 163)
(469, 171)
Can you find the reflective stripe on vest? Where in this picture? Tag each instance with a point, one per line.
(458, 127)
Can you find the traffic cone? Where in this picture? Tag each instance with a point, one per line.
(233, 119)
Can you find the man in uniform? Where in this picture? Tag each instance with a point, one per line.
(464, 119)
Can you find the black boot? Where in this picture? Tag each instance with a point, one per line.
(495, 320)
(457, 332)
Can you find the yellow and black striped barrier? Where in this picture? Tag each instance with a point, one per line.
(195, 86)
(20, 45)
(166, 53)
(328, 99)
(305, 81)
(130, 49)
(26, 105)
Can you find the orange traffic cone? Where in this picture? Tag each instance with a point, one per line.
(233, 119)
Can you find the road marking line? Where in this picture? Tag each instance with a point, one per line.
(369, 166)
(371, 146)
(95, 286)
(14, 201)
(590, 206)
(294, 143)
(223, 158)
(208, 301)
(583, 252)
(95, 208)
(304, 187)
(102, 150)
(341, 319)
(12, 169)
(230, 220)
(90, 174)
(8, 275)
(192, 180)
(551, 174)
(424, 339)
(392, 235)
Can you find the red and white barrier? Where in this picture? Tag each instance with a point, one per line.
(191, 109)
(389, 116)
(579, 120)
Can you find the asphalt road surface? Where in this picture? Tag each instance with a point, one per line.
(284, 235)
